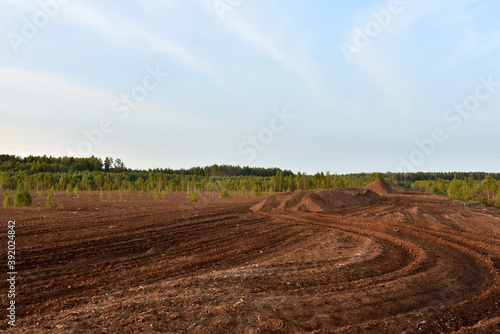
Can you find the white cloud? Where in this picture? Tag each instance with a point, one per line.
(24, 5)
(123, 31)
(464, 23)
(276, 48)
(42, 84)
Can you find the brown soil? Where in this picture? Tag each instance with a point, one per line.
(318, 201)
(411, 263)
(380, 187)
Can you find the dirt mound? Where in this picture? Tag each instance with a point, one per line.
(317, 201)
(380, 187)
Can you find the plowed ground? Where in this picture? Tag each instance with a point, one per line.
(413, 263)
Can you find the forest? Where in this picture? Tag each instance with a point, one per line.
(42, 173)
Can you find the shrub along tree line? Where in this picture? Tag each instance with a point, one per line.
(483, 191)
(21, 198)
(92, 174)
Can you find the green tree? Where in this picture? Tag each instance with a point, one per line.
(139, 184)
(108, 163)
(490, 187)
(280, 181)
(224, 194)
(8, 201)
(303, 182)
(455, 189)
(339, 182)
(119, 165)
(467, 189)
(22, 198)
(257, 189)
(193, 195)
(192, 192)
(49, 202)
(329, 182)
(441, 187)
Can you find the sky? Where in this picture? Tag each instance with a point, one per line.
(338, 86)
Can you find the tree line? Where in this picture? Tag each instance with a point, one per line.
(44, 164)
(42, 173)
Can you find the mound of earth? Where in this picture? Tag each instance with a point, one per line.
(380, 187)
(317, 201)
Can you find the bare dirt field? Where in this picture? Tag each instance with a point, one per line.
(404, 263)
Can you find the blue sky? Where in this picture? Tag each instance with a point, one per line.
(303, 85)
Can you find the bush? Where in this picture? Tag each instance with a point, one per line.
(8, 201)
(224, 194)
(193, 195)
(257, 191)
(23, 198)
(49, 202)
(69, 191)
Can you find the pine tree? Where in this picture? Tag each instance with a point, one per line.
(8, 201)
(455, 189)
(467, 188)
(49, 202)
(280, 181)
(192, 192)
(328, 181)
(22, 198)
(489, 186)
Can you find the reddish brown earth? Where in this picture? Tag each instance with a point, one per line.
(381, 187)
(318, 201)
(409, 263)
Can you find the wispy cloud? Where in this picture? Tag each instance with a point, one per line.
(390, 79)
(123, 31)
(472, 41)
(38, 83)
(249, 34)
(257, 34)
(18, 4)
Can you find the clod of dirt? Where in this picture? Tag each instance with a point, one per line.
(317, 201)
(381, 187)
